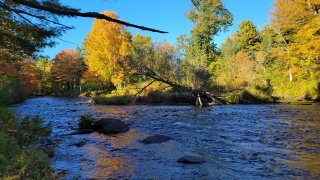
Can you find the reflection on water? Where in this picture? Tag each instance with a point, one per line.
(240, 141)
(107, 165)
(305, 137)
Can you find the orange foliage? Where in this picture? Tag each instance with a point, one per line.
(7, 68)
(244, 68)
(67, 67)
(29, 75)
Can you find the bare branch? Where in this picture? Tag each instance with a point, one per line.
(145, 87)
(76, 13)
(19, 12)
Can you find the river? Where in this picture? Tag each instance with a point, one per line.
(274, 141)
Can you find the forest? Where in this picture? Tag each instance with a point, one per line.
(280, 62)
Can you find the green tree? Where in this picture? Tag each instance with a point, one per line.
(45, 81)
(209, 17)
(198, 51)
(223, 71)
(248, 38)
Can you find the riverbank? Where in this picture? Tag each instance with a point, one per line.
(23, 154)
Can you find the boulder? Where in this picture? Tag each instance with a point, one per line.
(110, 126)
(156, 139)
(191, 160)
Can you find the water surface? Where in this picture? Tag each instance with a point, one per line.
(237, 141)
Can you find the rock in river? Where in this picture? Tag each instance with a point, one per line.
(110, 126)
(82, 131)
(156, 139)
(191, 160)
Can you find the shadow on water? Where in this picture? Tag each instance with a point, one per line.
(237, 141)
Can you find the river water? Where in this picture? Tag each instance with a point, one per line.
(237, 141)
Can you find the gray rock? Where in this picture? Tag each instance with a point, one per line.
(156, 139)
(191, 160)
(110, 126)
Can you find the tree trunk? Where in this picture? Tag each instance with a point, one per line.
(198, 101)
(290, 74)
(74, 86)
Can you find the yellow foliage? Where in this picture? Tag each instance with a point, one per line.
(108, 49)
(306, 44)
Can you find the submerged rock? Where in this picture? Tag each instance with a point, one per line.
(110, 126)
(82, 131)
(80, 144)
(191, 160)
(156, 139)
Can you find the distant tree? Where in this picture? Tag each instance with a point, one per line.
(209, 18)
(155, 61)
(29, 75)
(66, 71)
(45, 82)
(244, 69)
(223, 71)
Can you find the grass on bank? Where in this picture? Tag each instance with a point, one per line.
(21, 153)
(155, 97)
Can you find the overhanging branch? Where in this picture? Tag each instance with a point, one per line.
(76, 13)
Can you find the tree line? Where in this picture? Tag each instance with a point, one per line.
(281, 60)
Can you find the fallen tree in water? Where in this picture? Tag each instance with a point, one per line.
(202, 97)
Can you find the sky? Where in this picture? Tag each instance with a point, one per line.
(166, 15)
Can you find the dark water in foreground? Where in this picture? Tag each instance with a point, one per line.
(237, 141)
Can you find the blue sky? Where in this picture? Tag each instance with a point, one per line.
(167, 15)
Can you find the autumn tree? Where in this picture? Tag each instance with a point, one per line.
(29, 75)
(297, 24)
(108, 50)
(66, 71)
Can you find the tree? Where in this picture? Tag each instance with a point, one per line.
(248, 38)
(209, 17)
(244, 69)
(296, 22)
(108, 50)
(67, 70)
(20, 36)
(293, 14)
(223, 71)
(28, 74)
(45, 82)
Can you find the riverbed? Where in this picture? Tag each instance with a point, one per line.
(274, 141)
